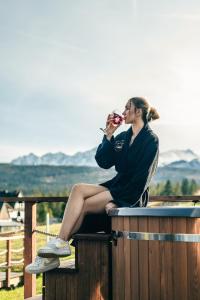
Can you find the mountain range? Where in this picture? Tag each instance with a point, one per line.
(55, 172)
(173, 158)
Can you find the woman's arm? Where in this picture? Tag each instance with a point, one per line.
(105, 153)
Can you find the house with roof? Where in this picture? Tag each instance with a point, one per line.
(11, 214)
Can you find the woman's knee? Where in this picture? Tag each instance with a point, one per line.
(78, 187)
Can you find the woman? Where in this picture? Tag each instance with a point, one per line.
(134, 153)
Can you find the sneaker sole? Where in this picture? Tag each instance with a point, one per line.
(51, 267)
(51, 254)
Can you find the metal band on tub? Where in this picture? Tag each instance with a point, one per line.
(152, 236)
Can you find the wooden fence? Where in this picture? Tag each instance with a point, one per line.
(8, 277)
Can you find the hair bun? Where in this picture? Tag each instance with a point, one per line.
(153, 114)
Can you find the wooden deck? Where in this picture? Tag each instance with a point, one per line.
(15, 278)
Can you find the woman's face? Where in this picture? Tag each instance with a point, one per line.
(130, 113)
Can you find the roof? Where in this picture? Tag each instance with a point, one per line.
(5, 193)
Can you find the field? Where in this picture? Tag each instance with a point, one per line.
(17, 293)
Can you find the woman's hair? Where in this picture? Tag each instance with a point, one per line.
(148, 113)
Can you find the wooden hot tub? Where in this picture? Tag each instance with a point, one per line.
(156, 254)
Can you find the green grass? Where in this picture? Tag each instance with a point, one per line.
(18, 292)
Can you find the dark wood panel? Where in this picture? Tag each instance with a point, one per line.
(84, 275)
(95, 275)
(105, 272)
(180, 261)
(114, 261)
(166, 262)
(193, 261)
(154, 261)
(134, 262)
(120, 284)
(143, 261)
(50, 284)
(61, 282)
(127, 262)
(64, 199)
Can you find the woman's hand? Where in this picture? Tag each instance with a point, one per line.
(110, 205)
(110, 127)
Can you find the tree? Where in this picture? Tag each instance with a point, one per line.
(193, 187)
(185, 187)
(177, 189)
(167, 190)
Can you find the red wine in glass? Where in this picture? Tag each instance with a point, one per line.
(117, 119)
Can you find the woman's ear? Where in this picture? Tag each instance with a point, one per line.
(138, 112)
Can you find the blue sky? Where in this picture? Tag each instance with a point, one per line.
(65, 65)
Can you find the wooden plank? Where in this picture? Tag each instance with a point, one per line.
(120, 263)
(166, 261)
(106, 272)
(29, 248)
(171, 198)
(92, 237)
(84, 272)
(127, 262)
(33, 199)
(134, 262)
(8, 259)
(63, 286)
(193, 263)
(50, 281)
(114, 260)
(180, 261)
(143, 260)
(154, 261)
(94, 272)
(74, 286)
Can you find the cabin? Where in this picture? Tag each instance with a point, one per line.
(11, 214)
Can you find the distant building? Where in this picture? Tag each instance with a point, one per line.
(11, 214)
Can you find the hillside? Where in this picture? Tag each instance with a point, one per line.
(46, 179)
(55, 179)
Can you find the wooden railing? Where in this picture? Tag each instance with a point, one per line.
(30, 227)
(9, 263)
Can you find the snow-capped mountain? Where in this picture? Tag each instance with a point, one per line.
(175, 158)
(58, 159)
(171, 156)
(182, 164)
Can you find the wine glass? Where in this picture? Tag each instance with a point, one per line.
(116, 117)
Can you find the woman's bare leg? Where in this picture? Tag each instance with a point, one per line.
(75, 206)
(90, 206)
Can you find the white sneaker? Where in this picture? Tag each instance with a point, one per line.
(55, 248)
(41, 265)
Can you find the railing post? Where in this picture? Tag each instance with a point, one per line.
(29, 248)
(8, 258)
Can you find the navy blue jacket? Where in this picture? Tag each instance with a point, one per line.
(135, 165)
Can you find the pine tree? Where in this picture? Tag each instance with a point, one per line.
(167, 190)
(185, 187)
(193, 187)
(177, 189)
